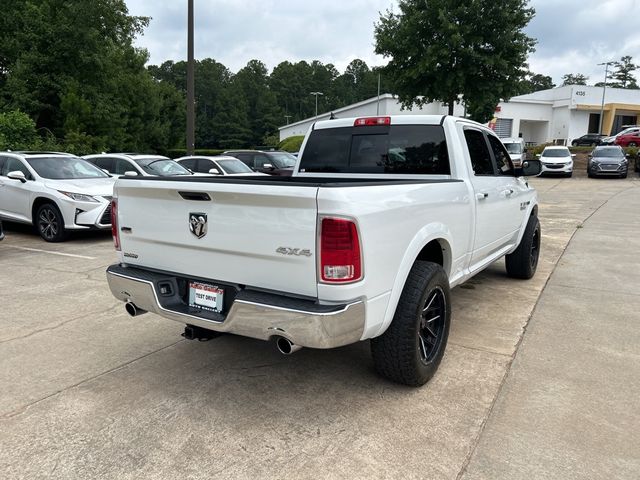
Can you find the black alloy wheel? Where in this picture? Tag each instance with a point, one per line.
(432, 322)
(50, 223)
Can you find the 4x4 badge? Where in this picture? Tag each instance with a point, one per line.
(198, 224)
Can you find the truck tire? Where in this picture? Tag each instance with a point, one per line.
(49, 223)
(522, 263)
(411, 349)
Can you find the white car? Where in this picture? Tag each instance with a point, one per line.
(55, 192)
(516, 149)
(216, 165)
(557, 160)
(134, 164)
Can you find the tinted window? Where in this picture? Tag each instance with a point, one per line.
(14, 165)
(246, 158)
(282, 160)
(479, 152)
(161, 166)
(105, 163)
(233, 166)
(503, 160)
(398, 149)
(556, 152)
(123, 166)
(190, 163)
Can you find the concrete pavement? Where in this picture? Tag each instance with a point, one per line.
(570, 405)
(87, 392)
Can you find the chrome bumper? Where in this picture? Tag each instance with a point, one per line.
(303, 323)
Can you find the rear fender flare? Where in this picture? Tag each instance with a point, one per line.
(429, 233)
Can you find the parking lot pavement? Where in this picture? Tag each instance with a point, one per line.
(87, 392)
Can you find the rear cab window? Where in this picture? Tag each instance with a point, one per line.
(386, 149)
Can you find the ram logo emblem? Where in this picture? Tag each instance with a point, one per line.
(198, 224)
(298, 252)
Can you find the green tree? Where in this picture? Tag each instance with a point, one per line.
(574, 79)
(534, 82)
(622, 76)
(441, 50)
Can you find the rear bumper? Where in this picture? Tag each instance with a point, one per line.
(252, 314)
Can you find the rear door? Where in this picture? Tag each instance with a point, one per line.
(15, 196)
(259, 235)
(493, 228)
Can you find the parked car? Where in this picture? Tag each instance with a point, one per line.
(217, 165)
(134, 164)
(516, 149)
(56, 192)
(611, 140)
(380, 219)
(608, 160)
(273, 162)
(590, 139)
(557, 159)
(631, 139)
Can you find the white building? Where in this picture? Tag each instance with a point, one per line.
(561, 114)
(556, 115)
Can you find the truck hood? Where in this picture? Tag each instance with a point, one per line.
(101, 187)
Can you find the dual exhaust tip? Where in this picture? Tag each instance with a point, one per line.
(284, 345)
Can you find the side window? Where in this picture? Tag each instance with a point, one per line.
(104, 163)
(244, 158)
(190, 163)
(259, 161)
(479, 152)
(14, 165)
(123, 166)
(206, 165)
(503, 160)
(2, 160)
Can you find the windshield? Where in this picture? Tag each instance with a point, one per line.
(65, 168)
(282, 159)
(232, 166)
(515, 148)
(161, 166)
(556, 153)
(610, 152)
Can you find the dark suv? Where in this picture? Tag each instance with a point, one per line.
(590, 139)
(273, 162)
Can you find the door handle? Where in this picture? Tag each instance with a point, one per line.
(508, 192)
(482, 195)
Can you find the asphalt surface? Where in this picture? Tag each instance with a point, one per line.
(87, 392)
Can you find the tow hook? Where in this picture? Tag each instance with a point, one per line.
(191, 332)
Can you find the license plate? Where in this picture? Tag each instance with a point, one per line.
(206, 297)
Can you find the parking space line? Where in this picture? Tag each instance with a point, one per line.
(53, 253)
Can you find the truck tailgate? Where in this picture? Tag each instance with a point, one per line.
(251, 231)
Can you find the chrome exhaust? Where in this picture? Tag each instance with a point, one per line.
(286, 346)
(133, 310)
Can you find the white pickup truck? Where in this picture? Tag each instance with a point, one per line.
(382, 216)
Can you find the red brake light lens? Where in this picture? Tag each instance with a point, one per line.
(114, 224)
(372, 121)
(340, 256)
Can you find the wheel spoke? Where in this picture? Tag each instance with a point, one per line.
(433, 319)
(435, 294)
(428, 329)
(423, 348)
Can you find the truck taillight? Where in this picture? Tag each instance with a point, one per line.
(372, 121)
(115, 233)
(340, 256)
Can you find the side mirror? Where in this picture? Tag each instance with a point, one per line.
(17, 175)
(573, 155)
(214, 171)
(529, 168)
(267, 165)
(130, 173)
(590, 155)
(538, 155)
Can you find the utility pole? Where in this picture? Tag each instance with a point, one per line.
(191, 100)
(287, 117)
(316, 95)
(604, 90)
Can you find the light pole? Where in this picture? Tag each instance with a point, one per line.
(316, 94)
(191, 100)
(604, 90)
(287, 117)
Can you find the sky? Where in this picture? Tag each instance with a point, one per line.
(573, 35)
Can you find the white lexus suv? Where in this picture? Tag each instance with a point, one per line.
(56, 192)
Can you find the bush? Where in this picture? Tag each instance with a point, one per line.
(291, 144)
(17, 131)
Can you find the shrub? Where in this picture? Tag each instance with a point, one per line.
(17, 131)
(291, 144)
